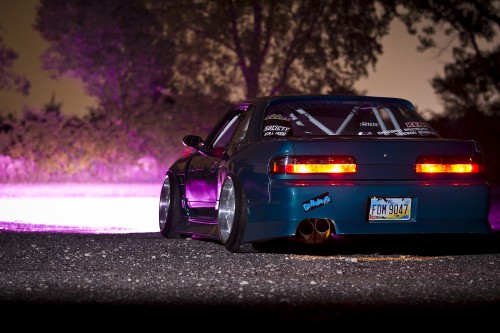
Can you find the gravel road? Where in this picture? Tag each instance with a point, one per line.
(143, 279)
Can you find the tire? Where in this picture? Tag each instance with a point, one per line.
(232, 216)
(170, 209)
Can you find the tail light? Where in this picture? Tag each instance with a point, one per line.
(313, 164)
(449, 164)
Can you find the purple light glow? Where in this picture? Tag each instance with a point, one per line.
(99, 208)
(80, 208)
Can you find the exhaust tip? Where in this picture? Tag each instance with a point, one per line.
(306, 229)
(315, 230)
(323, 226)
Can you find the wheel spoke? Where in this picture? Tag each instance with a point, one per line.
(164, 202)
(226, 211)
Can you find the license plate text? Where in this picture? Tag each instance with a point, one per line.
(389, 209)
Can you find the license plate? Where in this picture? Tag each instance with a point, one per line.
(387, 209)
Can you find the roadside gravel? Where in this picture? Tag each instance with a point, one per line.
(123, 279)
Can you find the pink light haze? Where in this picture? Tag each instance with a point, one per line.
(99, 208)
(80, 208)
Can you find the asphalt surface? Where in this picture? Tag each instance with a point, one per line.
(94, 281)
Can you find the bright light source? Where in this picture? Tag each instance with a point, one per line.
(314, 164)
(448, 164)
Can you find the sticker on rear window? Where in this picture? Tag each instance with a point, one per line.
(416, 124)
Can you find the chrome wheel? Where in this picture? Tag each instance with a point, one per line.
(227, 207)
(164, 202)
(170, 209)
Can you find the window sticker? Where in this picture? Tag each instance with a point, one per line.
(276, 130)
(277, 116)
(408, 131)
(416, 124)
(368, 124)
(277, 125)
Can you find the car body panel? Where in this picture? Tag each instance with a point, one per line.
(278, 203)
(348, 208)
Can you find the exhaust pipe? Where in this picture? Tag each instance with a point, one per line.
(315, 231)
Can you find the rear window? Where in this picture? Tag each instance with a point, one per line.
(346, 118)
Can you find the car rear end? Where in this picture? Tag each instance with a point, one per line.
(382, 181)
(388, 187)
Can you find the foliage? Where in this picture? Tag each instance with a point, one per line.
(58, 149)
(471, 81)
(142, 52)
(44, 146)
(130, 52)
(9, 80)
(250, 48)
(117, 48)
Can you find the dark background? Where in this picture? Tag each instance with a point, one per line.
(159, 70)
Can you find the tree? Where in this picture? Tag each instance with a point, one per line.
(471, 83)
(117, 48)
(245, 48)
(9, 80)
(124, 50)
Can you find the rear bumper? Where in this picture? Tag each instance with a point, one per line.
(437, 207)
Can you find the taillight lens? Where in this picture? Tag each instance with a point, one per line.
(313, 164)
(449, 164)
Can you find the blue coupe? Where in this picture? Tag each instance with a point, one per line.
(314, 168)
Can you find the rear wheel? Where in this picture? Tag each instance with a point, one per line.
(170, 208)
(232, 216)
